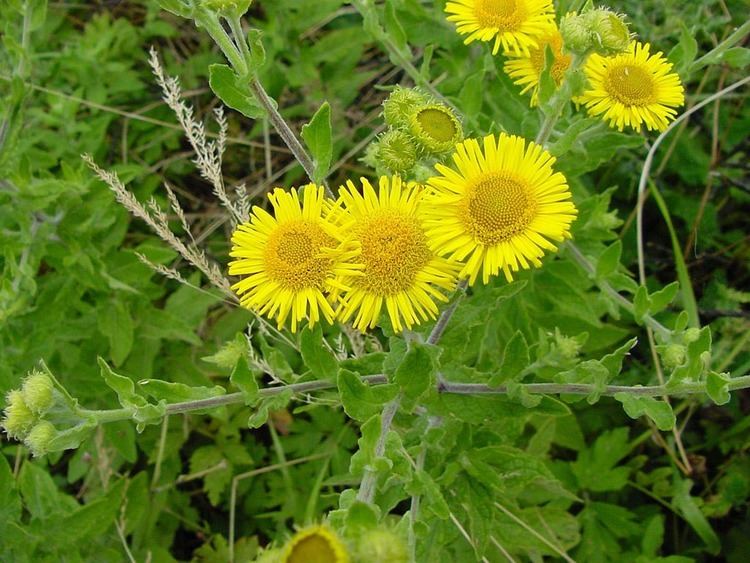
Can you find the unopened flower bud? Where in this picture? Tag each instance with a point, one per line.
(692, 334)
(400, 105)
(381, 545)
(673, 355)
(436, 128)
(39, 438)
(37, 392)
(396, 151)
(568, 347)
(610, 32)
(576, 32)
(18, 416)
(227, 7)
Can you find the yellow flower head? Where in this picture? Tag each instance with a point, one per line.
(499, 207)
(400, 271)
(514, 24)
(290, 259)
(315, 544)
(633, 88)
(527, 69)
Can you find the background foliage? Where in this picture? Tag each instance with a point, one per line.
(600, 486)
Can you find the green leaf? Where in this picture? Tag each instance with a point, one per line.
(393, 27)
(10, 503)
(361, 517)
(684, 52)
(423, 484)
(657, 410)
(177, 7)
(317, 135)
(515, 360)
(232, 91)
(122, 385)
(641, 304)
(660, 299)
(245, 379)
(609, 260)
(416, 372)
(116, 323)
(72, 438)
(689, 510)
(257, 51)
(263, 409)
(596, 468)
(317, 355)
(737, 57)
(370, 432)
(717, 387)
(360, 401)
(178, 392)
(39, 493)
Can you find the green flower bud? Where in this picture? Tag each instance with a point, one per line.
(400, 105)
(673, 355)
(692, 334)
(18, 417)
(379, 545)
(610, 32)
(576, 32)
(436, 128)
(396, 151)
(37, 392)
(269, 556)
(227, 7)
(39, 438)
(568, 347)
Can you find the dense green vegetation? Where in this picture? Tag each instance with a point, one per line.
(513, 476)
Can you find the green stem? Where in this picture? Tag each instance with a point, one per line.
(369, 480)
(560, 98)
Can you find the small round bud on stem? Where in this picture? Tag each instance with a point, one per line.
(18, 416)
(436, 128)
(39, 438)
(692, 334)
(37, 392)
(400, 104)
(568, 347)
(673, 355)
(610, 32)
(576, 33)
(396, 151)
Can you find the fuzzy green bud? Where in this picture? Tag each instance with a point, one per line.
(692, 334)
(435, 128)
(400, 104)
(568, 347)
(576, 33)
(37, 392)
(673, 355)
(396, 151)
(18, 416)
(227, 7)
(269, 556)
(380, 545)
(610, 32)
(39, 438)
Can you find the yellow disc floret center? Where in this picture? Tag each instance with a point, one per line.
(560, 63)
(313, 549)
(394, 250)
(293, 255)
(506, 15)
(437, 124)
(497, 207)
(630, 85)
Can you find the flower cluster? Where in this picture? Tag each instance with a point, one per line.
(402, 247)
(420, 130)
(25, 409)
(624, 83)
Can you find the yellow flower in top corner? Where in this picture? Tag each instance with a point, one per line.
(633, 88)
(315, 544)
(400, 271)
(514, 24)
(289, 260)
(527, 70)
(499, 207)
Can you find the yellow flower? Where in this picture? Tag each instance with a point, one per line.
(499, 207)
(290, 259)
(400, 271)
(316, 544)
(526, 70)
(514, 24)
(633, 88)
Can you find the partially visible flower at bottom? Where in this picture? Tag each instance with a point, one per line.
(498, 208)
(18, 418)
(632, 89)
(400, 271)
(315, 544)
(291, 259)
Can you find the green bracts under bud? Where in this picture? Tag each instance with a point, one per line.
(227, 7)
(400, 104)
(37, 392)
(396, 151)
(381, 545)
(436, 128)
(576, 33)
(39, 438)
(18, 416)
